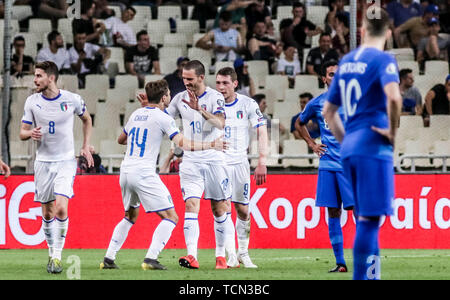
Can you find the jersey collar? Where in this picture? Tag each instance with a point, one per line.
(51, 99)
(231, 104)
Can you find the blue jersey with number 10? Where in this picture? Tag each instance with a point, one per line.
(358, 86)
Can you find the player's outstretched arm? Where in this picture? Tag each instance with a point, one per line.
(261, 168)
(318, 149)
(394, 108)
(186, 144)
(27, 132)
(87, 132)
(334, 121)
(4, 169)
(216, 120)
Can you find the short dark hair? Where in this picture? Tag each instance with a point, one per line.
(52, 36)
(259, 97)
(298, 4)
(49, 68)
(228, 71)
(343, 18)
(155, 90)
(324, 34)
(404, 72)
(130, 7)
(197, 66)
(19, 38)
(378, 22)
(225, 16)
(326, 65)
(140, 33)
(306, 95)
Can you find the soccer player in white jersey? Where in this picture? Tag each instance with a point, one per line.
(139, 182)
(240, 110)
(48, 119)
(202, 113)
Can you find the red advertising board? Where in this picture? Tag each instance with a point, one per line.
(283, 215)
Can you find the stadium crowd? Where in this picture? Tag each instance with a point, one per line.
(293, 38)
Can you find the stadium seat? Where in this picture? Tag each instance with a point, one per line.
(65, 28)
(306, 83)
(167, 66)
(316, 14)
(138, 25)
(196, 37)
(441, 148)
(277, 83)
(117, 56)
(118, 98)
(169, 11)
(157, 29)
(170, 53)
(153, 77)
(439, 125)
(222, 64)
(15, 28)
(258, 69)
(284, 11)
(424, 83)
(417, 147)
(143, 12)
(21, 12)
(175, 40)
(436, 68)
(409, 64)
(402, 53)
(284, 111)
(188, 28)
(128, 83)
(273, 150)
(31, 43)
(205, 56)
(295, 147)
(97, 84)
(68, 82)
(107, 120)
(305, 56)
(40, 26)
(117, 10)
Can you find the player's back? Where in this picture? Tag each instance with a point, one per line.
(145, 130)
(359, 87)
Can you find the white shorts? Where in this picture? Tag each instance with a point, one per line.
(196, 178)
(54, 178)
(147, 189)
(239, 175)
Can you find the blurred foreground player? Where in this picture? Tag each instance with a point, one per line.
(367, 86)
(333, 189)
(51, 111)
(4, 169)
(139, 182)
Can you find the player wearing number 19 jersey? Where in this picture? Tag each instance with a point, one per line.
(366, 85)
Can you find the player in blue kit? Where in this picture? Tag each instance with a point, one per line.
(333, 190)
(366, 85)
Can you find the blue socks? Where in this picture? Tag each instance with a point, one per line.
(366, 264)
(336, 239)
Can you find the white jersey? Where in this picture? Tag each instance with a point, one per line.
(195, 127)
(55, 117)
(145, 130)
(238, 114)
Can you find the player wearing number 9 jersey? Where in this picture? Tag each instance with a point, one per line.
(139, 182)
(366, 85)
(51, 111)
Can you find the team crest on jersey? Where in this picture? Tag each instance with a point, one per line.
(64, 106)
(259, 113)
(239, 114)
(204, 106)
(391, 69)
(221, 102)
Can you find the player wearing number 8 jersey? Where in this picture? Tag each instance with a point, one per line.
(366, 85)
(52, 111)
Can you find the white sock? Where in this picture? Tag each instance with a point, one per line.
(61, 227)
(220, 228)
(160, 238)
(191, 233)
(49, 231)
(118, 238)
(230, 244)
(243, 234)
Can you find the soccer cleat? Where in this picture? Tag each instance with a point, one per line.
(152, 264)
(108, 264)
(56, 266)
(244, 258)
(339, 269)
(221, 263)
(189, 262)
(233, 262)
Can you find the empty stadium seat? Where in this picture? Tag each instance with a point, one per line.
(403, 53)
(128, 83)
(306, 83)
(441, 148)
(175, 40)
(417, 147)
(143, 12)
(305, 56)
(169, 11)
(170, 53)
(277, 83)
(439, 125)
(222, 64)
(188, 28)
(157, 29)
(424, 83)
(167, 66)
(258, 69)
(317, 14)
(117, 56)
(40, 26)
(273, 150)
(284, 11)
(295, 147)
(409, 64)
(436, 68)
(65, 28)
(68, 82)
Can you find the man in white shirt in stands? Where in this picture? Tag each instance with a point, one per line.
(119, 32)
(55, 52)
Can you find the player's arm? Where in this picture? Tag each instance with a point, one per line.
(394, 108)
(318, 149)
(261, 168)
(4, 169)
(217, 119)
(87, 132)
(334, 121)
(188, 145)
(27, 132)
(429, 101)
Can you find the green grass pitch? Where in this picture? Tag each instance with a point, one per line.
(274, 264)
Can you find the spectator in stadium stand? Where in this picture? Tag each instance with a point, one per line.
(204, 10)
(102, 11)
(246, 85)
(93, 28)
(142, 59)
(402, 11)
(289, 65)
(295, 30)
(313, 128)
(257, 11)
(444, 17)
(434, 46)
(237, 10)
(261, 47)
(49, 9)
(174, 79)
(172, 163)
(87, 58)
(437, 100)
(119, 33)
(412, 100)
(412, 31)
(341, 41)
(225, 40)
(55, 52)
(262, 103)
(2, 9)
(318, 55)
(21, 64)
(97, 168)
(335, 7)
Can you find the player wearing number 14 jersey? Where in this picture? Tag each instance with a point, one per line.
(366, 85)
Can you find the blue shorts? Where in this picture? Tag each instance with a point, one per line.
(333, 190)
(372, 183)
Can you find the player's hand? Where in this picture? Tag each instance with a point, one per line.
(85, 151)
(193, 100)
(4, 169)
(386, 133)
(219, 144)
(36, 133)
(142, 98)
(260, 174)
(319, 149)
